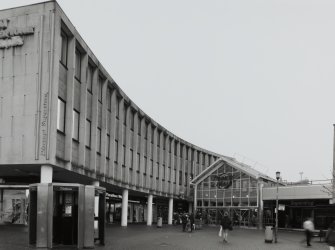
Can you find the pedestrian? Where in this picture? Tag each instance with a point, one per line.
(308, 227)
(226, 225)
(330, 236)
(184, 221)
(192, 222)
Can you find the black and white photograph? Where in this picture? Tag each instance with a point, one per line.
(176, 125)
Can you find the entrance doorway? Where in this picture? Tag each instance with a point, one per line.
(65, 216)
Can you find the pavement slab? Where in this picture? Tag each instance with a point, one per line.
(138, 237)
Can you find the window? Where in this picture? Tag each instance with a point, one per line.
(131, 158)
(125, 108)
(158, 138)
(145, 165)
(61, 115)
(139, 126)
(89, 78)
(146, 130)
(100, 89)
(124, 156)
(117, 108)
(151, 167)
(63, 57)
(132, 117)
(109, 99)
(75, 125)
(88, 134)
(152, 135)
(99, 140)
(116, 151)
(138, 162)
(78, 65)
(108, 146)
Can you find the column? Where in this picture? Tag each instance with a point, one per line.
(46, 174)
(94, 125)
(195, 198)
(260, 204)
(170, 211)
(190, 208)
(149, 221)
(69, 102)
(102, 168)
(333, 173)
(124, 214)
(83, 111)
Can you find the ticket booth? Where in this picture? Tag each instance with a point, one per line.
(65, 214)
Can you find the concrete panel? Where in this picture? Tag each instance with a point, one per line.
(75, 150)
(76, 97)
(31, 63)
(89, 107)
(19, 65)
(8, 64)
(296, 192)
(30, 85)
(7, 87)
(62, 82)
(87, 158)
(60, 147)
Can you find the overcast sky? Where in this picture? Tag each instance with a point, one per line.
(245, 78)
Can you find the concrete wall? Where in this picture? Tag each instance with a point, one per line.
(297, 192)
(25, 84)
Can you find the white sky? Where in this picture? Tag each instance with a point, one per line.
(246, 78)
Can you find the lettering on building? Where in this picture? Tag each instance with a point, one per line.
(12, 37)
(44, 124)
(223, 181)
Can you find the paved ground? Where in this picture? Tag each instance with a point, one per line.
(138, 237)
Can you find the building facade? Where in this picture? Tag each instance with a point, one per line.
(233, 187)
(64, 119)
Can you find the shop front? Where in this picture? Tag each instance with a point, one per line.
(229, 186)
(13, 204)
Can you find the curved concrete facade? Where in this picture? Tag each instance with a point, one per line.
(59, 107)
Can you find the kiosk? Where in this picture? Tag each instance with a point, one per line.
(66, 214)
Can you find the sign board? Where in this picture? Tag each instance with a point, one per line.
(223, 181)
(12, 37)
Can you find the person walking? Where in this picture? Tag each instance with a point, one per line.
(309, 227)
(330, 236)
(192, 222)
(184, 221)
(226, 225)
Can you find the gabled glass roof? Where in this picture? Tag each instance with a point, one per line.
(233, 163)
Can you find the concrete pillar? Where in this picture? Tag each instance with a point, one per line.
(170, 211)
(195, 198)
(333, 173)
(149, 217)
(190, 208)
(260, 205)
(46, 174)
(124, 214)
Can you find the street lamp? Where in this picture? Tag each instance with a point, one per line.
(276, 229)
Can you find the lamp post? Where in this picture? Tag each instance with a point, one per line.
(276, 228)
